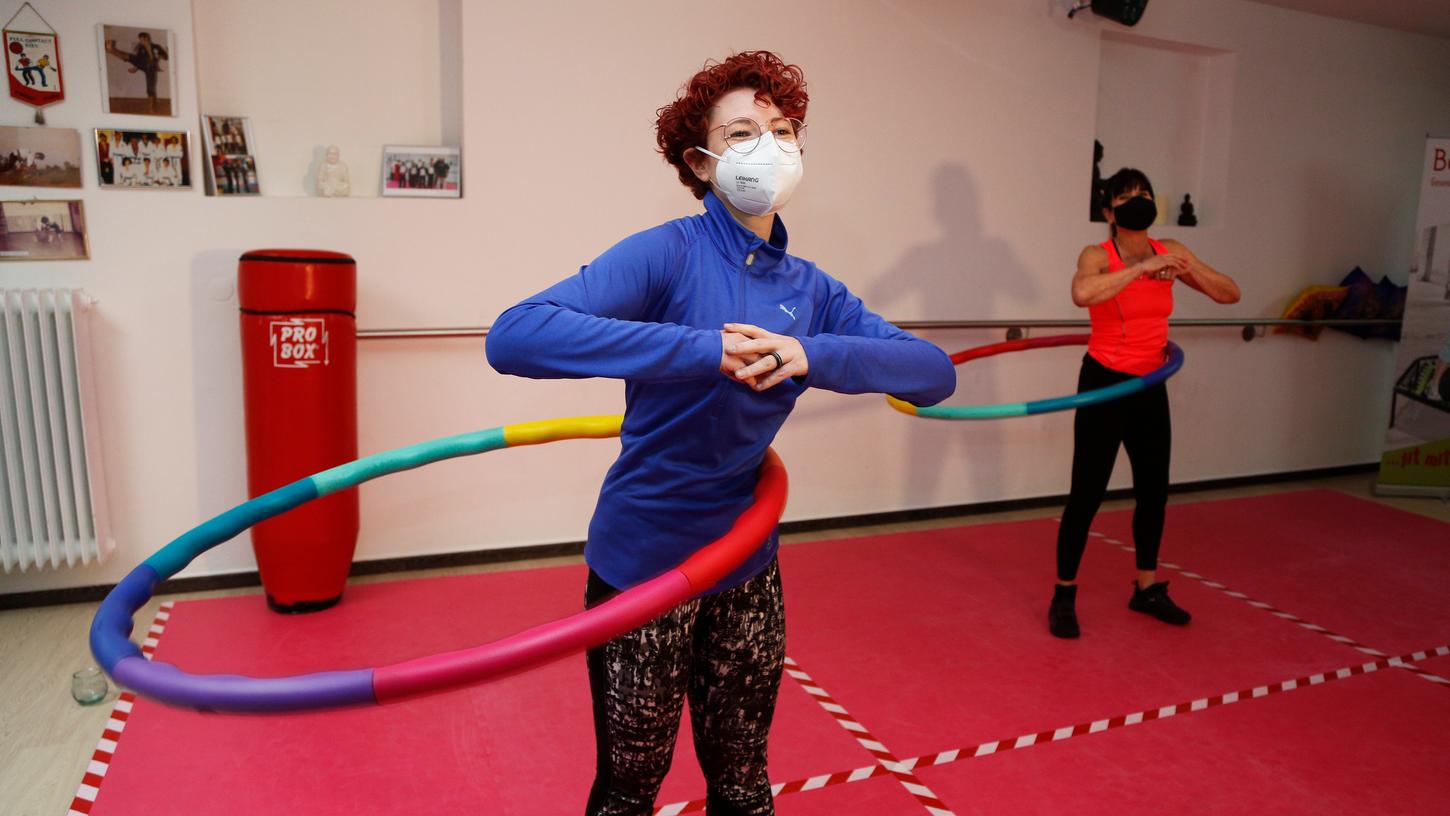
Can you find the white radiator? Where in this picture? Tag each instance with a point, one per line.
(52, 494)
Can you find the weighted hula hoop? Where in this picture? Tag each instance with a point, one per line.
(1173, 360)
(124, 662)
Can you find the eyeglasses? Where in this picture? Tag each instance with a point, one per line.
(743, 135)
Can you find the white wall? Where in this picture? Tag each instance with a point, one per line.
(1157, 112)
(353, 73)
(948, 168)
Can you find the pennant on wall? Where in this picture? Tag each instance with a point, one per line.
(32, 62)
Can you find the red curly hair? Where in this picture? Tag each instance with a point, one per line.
(682, 124)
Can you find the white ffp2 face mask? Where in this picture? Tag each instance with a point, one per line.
(761, 181)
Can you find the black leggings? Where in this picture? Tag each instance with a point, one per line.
(725, 653)
(1141, 424)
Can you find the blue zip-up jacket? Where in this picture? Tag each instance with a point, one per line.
(650, 311)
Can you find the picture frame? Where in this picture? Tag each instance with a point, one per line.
(422, 172)
(137, 77)
(231, 166)
(131, 159)
(40, 157)
(43, 230)
(227, 135)
(233, 176)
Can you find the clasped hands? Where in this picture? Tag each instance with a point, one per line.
(1165, 267)
(758, 358)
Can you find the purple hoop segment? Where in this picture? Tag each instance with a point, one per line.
(111, 628)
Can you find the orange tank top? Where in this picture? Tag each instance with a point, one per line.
(1130, 331)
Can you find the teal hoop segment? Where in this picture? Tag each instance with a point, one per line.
(172, 558)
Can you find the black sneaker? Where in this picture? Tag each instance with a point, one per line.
(1155, 601)
(1061, 616)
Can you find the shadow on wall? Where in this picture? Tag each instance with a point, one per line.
(962, 275)
(221, 454)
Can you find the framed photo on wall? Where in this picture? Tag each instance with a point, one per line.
(43, 231)
(227, 135)
(40, 157)
(231, 167)
(136, 70)
(234, 175)
(422, 172)
(143, 159)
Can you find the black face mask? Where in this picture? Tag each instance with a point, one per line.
(1137, 213)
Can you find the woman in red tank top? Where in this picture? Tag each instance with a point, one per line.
(1127, 284)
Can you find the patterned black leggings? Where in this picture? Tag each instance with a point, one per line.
(725, 653)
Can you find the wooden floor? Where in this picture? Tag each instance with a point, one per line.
(46, 738)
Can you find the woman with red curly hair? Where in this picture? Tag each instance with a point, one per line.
(716, 331)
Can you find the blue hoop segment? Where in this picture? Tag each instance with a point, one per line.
(1173, 360)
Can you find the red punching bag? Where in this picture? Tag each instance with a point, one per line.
(299, 374)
